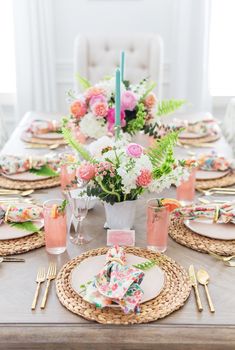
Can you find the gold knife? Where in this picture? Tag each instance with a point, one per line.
(193, 279)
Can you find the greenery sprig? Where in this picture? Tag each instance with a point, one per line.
(169, 106)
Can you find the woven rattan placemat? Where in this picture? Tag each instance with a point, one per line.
(183, 235)
(22, 245)
(29, 185)
(173, 296)
(227, 180)
(205, 139)
(27, 137)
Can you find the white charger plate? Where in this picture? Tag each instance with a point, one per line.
(152, 284)
(211, 230)
(210, 175)
(26, 176)
(49, 136)
(9, 232)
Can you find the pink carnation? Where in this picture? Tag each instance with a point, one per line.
(100, 109)
(78, 109)
(150, 100)
(111, 119)
(86, 171)
(144, 179)
(128, 101)
(134, 150)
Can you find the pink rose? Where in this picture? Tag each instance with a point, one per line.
(144, 179)
(128, 101)
(86, 171)
(93, 91)
(134, 150)
(97, 98)
(100, 109)
(78, 109)
(150, 100)
(111, 119)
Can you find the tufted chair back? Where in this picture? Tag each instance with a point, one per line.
(97, 56)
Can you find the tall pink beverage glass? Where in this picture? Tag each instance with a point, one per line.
(157, 226)
(185, 192)
(55, 227)
(67, 176)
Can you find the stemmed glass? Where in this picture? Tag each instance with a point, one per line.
(79, 206)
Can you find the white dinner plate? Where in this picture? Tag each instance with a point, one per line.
(210, 175)
(211, 230)
(49, 135)
(26, 176)
(9, 232)
(152, 283)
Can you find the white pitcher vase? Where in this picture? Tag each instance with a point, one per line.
(120, 215)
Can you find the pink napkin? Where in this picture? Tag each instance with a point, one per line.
(38, 127)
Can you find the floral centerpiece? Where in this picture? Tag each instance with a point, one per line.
(119, 172)
(93, 111)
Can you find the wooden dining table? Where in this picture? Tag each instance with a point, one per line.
(57, 328)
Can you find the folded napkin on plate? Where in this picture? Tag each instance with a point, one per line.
(10, 164)
(224, 213)
(38, 127)
(11, 213)
(212, 162)
(116, 283)
(197, 127)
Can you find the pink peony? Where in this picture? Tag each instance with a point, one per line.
(100, 109)
(78, 109)
(97, 98)
(134, 150)
(93, 91)
(111, 119)
(150, 100)
(128, 101)
(144, 179)
(86, 171)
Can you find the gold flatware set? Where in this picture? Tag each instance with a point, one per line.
(10, 259)
(203, 278)
(41, 278)
(218, 190)
(7, 192)
(225, 259)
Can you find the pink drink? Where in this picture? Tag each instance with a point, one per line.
(186, 190)
(157, 226)
(67, 176)
(55, 228)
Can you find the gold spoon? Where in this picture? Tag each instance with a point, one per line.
(203, 278)
(222, 258)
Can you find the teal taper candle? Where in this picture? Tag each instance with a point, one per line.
(122, 65)
(118, 99)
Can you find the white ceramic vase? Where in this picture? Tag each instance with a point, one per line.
(120, 215)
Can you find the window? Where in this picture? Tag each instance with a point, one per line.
(222, 48)
(7, 56)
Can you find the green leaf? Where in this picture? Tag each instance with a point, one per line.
(150, 88)
(62, 207)
(169, 106)
(45, 170)
(146, 265)
(26, 226)
(85, 84)
(69, 138)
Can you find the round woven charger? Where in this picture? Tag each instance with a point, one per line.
(224, 181)
(22, 245)
(27, 137)
(205, 139)
(174, 294)
(183, 235)
(29, 185)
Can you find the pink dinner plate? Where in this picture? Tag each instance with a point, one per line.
(211, 230)
(9, 232)
(26, 176)
(210, 175)
(90, 267)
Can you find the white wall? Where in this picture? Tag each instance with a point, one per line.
(72, 17)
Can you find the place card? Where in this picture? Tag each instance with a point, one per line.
(121, 237)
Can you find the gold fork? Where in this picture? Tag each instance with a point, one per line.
(51, 275)
(41, 277)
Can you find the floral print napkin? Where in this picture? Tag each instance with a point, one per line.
(116, 283)
(11, 213)
(212, 162)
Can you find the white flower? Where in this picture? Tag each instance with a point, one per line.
(109, 86)
(93, 127)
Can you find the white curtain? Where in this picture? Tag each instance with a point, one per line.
(189, 75)
(35, 64)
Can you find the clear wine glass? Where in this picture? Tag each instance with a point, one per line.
(79, 206)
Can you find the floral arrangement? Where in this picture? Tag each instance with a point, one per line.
(121, 171)
(93, 111)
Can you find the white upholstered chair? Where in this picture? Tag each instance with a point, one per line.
(97, 56)
(228, 125)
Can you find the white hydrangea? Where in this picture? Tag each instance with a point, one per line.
(109, 86)
(92, 126)
(139, 90)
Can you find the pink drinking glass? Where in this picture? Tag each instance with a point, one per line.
(185, 192)
(157, 226)
(55, 228)
(67, 176)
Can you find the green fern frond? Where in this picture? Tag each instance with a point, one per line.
(45, 170)
(69, 138)
(85, 84)
(169, 106)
